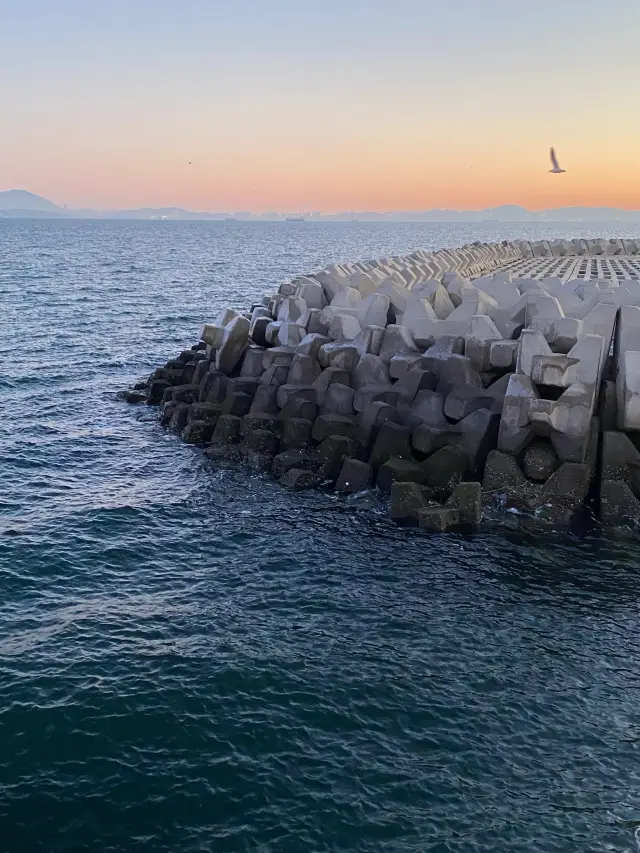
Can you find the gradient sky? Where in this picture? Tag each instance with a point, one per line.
(320, 104)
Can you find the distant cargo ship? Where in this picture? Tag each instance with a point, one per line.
(295, 217)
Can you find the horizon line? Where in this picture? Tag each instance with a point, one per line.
(308, 211)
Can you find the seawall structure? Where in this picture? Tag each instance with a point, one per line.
(504, 373)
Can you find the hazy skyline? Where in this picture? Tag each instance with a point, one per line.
(287, 105)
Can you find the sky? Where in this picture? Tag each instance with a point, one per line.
(297, 105)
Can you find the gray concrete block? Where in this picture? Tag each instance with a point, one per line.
(265, 399)
(299, 479)
(227, 430)
(393, 440)
(303, 459)
(332, 453)
(333, 424)
(197, 432)
(355, 476)
(407, 499)
(297, 433)
(399, 470)
(466, 498)
(444, 470)
(539, 461)
(438, 519)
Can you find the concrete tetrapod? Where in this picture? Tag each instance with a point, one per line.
(431, 373)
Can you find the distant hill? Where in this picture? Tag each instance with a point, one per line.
(20, 203)
(12, 200)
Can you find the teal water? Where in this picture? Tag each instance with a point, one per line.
(193, 659)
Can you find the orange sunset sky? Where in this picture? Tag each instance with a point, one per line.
(282, 105)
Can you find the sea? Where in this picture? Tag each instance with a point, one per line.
(193, 659)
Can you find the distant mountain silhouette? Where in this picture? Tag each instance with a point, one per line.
(20, 203)
(14, 200)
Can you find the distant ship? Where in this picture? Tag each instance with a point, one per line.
(295, 217)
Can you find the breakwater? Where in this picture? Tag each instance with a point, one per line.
(493, 373)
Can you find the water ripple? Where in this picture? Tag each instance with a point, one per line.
(194, 659)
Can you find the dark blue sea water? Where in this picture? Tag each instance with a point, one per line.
(193, 659)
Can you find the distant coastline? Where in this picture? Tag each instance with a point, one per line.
(15, 204)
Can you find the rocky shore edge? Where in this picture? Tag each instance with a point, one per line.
(438, 378)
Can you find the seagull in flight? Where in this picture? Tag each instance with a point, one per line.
(554, 162)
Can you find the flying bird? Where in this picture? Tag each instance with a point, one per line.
(554, 162)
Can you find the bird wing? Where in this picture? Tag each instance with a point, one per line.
(554, 159)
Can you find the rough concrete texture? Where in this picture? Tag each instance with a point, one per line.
(400, 470)
(539, 461)
(355, 476)
(407, 499)
(491, 362)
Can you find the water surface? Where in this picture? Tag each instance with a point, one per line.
(193, 659)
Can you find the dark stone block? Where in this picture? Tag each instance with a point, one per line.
(237, 403)
(260, 421)
(406, 501)
(567, 487)
(503, 478)
(209, 412)
(618, 504)
(399, 470)
(223, 452)
(427, 439)
(262, 441)
(416, 380)
(188, 373)
(174, 376)
(444, 470)
(393, 440)
(132, 396)
(355, 476)
(326, 425)
(258, 329)
(227, 430)
(216, 388)
(166, 413)
(457, 371)
(201, 370)
(438, 519)
(261, 462)
(244, 385)
(299, 479)
(297, 433)
(332, 452)
(466, 498)
(156, 391)
(283, 462)
(197, 432)
(179, 417)
(370, 420)
(539, 461)
(478, 434)
(265, 400)
(275, 375)
(300, 407)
